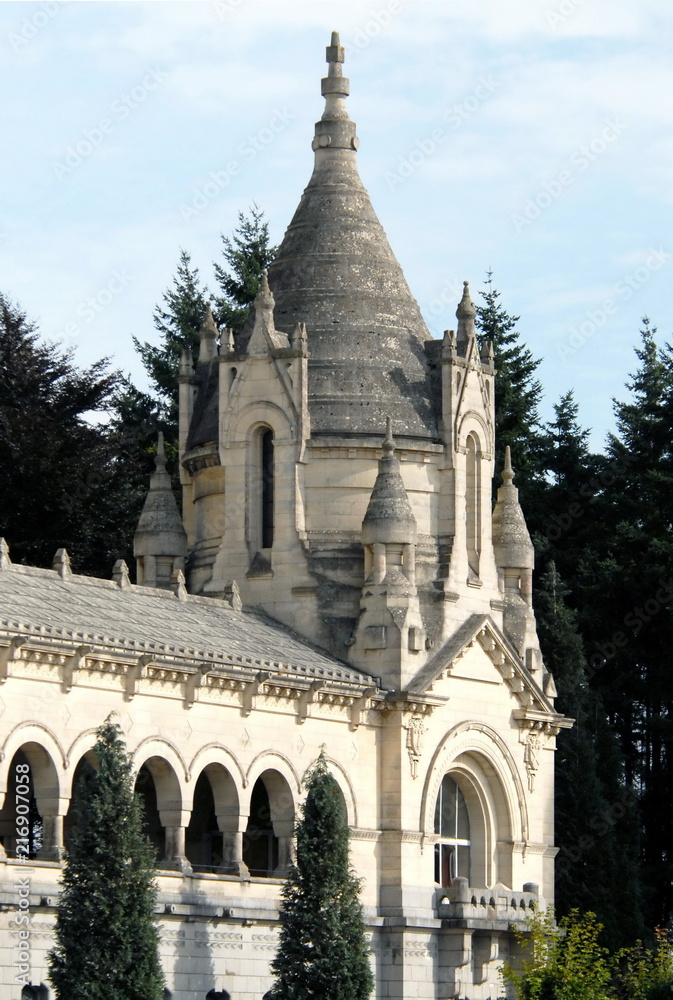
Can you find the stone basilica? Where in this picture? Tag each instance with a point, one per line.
(338, 579)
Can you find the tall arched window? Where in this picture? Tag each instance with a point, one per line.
(473, 503)
(452, 825)
(266, 466)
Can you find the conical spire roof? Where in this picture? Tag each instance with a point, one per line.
(511, 540)
(335, 272)
(389, 517)
(160, 530)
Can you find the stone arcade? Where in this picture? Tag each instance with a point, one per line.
(337, 579)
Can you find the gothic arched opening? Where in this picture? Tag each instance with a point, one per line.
(20, 820)
(260, 844)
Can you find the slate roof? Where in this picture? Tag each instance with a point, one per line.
(40, 603)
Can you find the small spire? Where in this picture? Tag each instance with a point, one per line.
(208, 337)
(335, 86)
(160, 457)
(389, 444)
(120, 574)
(507, 471)
(61, 564)
(186, 364)
(264, 299)
(465, 313)
(335, 130)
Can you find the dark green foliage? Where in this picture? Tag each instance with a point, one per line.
(322, 953)
(517, 390)
(178, 321)
(106, 939)
(625, 597)
(596, 826)
(247, 253)
(59, 473)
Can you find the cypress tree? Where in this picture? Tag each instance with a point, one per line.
(106, 938)
(322, 953)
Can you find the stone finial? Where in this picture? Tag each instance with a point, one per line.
(507, 471)
(186, 364)
(335, 86)
(61, 564)
(465, 313)
(179, 585)
(230, 341)
(5, 561)
(487, 354)
(449, 344)
(208, 337)
(299, 336)
(264, 301)
(233, 595)
(120, 574)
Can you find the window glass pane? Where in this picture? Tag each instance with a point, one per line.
(445, 810)
(463, 862)
(463, 820)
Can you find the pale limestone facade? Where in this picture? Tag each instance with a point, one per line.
(348, 587)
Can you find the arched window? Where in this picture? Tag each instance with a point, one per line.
(473, 504)
(266, 466)
(452, 825)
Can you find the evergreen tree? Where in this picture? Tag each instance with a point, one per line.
(57, 467)
(247, 253)
(178, 320)
(322, 953)
(562, 518)
(106, 939)
(596, 826)
(517, 390)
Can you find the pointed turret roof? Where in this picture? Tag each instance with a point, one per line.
(389, 517)
(511, 540)
(160, 530)
(335, 272)
(465, 314)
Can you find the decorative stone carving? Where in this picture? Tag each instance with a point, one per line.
(416, 729)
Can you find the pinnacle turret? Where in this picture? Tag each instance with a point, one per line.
(511, 540)
(160, 541)
(465, 313)
(389, 517)
(335, 130)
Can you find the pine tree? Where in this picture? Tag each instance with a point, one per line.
(57, 467)
(178, 320)
(106, 939)
(517, 391)
(247, 253)
(596, 827)
(322, 953)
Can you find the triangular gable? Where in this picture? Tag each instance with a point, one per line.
(481, 629)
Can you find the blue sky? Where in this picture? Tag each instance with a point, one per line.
(530, 137)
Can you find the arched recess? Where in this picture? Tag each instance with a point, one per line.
(347, 792)
(482, 766)
(211, 835)
(473, 502)
(32, 814)
(267, 841)
(256, 414)
(473, 422)
(87, 760)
